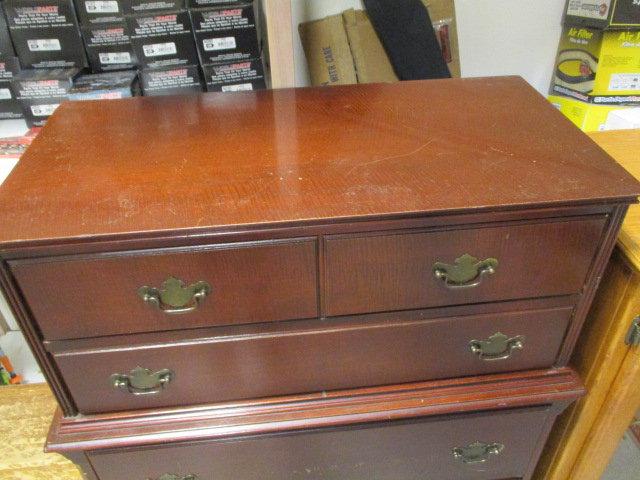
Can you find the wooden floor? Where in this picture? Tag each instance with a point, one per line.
(25, 414)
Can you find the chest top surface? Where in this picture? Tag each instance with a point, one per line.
(297, 156)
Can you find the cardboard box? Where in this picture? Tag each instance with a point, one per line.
(171, 81)
(343, 49)
(105, 86)
(602, 66)
(226, 33)
(45, 33)
(92, 12)
(326, 47)
(144, 7)
(369, 57)
(235, 76)
(603, 13)
(41, 91)
(624, 119)
(163, 39)
(588, 117)
(6, 46)
(109, 47)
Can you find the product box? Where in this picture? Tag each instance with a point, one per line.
(41, 91)
(105, 86)
(92, 12)
(163, 39)
(171, 81)
(211, 3)
(227, 33)
(235, 76)
(603, 13)
(588, 117)
(109, 47)
(6, 46)
(143, 7)
(602, 66)
(9, 107)
(45, 33)
(9, 66)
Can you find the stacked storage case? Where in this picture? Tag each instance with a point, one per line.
(120, 48)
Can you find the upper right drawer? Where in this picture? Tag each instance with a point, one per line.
(397, 271)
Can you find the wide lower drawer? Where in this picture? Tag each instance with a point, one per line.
(480, 446)
(88, 296)
(395, 271)
(186, 368)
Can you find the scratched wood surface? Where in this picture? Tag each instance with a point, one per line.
(300, 156)
(26, 412)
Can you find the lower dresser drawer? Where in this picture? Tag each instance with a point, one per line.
(477, 446)
(216, 365)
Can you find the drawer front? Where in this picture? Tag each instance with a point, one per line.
(418, 449)
(309, 356)
(398, 271)
(101, 295)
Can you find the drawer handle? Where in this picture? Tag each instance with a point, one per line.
(174, 296)
(497, 347)
(466, 272)
(142, 381)
(477, 452)
(171, 476)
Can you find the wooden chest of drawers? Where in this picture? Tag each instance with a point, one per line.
(373, 282)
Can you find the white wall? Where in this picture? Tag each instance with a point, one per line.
(509, 37)
(497, 37)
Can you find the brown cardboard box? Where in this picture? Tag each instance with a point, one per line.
(343, 49)
(370, 60)
(327, 50)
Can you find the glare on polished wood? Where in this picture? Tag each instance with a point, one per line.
(300, 156)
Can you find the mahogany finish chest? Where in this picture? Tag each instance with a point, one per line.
(368, 282)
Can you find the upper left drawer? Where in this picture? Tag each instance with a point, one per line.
(168, 289)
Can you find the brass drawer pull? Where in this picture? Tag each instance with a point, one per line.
(171, 476)
(497, 347)
(466, 272)
(142, 381)
(174, 296)
(477, 452)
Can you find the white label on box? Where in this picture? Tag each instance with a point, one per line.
(5, 94)
(110, 58)
(225, 43)
(159, 49)
(102, 6)
(237, 88)
(624, 81)
(44, 110)
(44, 45)
(589, 8)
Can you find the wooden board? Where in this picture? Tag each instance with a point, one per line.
(587, 434)
(26, 412)
(294, 157)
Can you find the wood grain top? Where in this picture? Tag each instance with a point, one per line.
(298, 156)
(624, 146)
